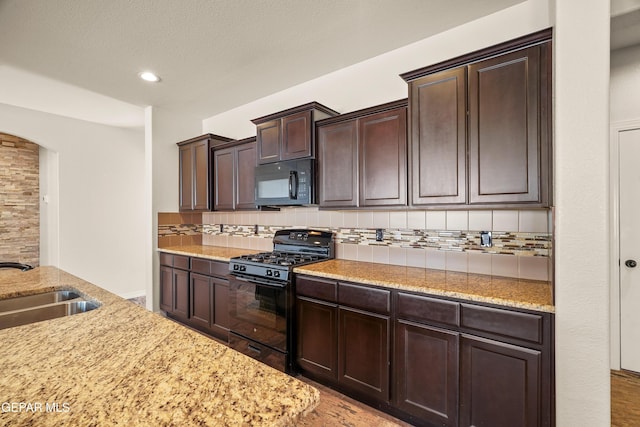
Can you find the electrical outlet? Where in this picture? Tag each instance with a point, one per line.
(485, 239)
(379, 235)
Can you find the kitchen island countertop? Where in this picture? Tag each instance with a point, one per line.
(124, 365)
(505, 291)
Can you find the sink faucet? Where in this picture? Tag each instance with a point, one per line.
(23, 267)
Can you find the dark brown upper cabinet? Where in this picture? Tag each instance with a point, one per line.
(289, 134)
(508, 142)
(195, 171)
(438, 116)
(233, 175)
(362, 157)
(481, 127)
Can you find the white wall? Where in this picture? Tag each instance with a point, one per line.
(625, 84)
(163, 129)
(377, 80)
(101, 218)
(581, 184)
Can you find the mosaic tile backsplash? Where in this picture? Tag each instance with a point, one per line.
(523, 252)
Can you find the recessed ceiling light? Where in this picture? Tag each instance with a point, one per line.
(149, 76)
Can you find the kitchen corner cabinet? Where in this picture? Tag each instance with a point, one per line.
(174, 285)
(233, 176)
(480, 127)
(194, 172)
(289, 134)
(453, 363)
(362, 158)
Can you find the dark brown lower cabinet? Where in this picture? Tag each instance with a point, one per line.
(429, 360)
(195, 292)
(317, 337)
(209, 305)
(201, 297)
(426, 372)
(500, 384)
(220, 325)
(166, 288)
(363, 352)
(174, 291)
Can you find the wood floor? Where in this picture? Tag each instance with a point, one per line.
(625, 399)
(336, 409)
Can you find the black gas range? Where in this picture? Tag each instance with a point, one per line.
(261, 294)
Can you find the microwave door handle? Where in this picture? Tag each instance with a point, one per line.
(293, 185)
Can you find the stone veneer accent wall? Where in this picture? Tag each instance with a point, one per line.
(446, 240)
(19, 200)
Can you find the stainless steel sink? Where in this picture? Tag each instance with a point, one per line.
(28, 301)
(46, 306)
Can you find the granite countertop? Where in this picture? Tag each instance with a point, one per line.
(510, 292)
(216, 253)
(123, 365)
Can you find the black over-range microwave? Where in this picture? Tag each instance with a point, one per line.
(287, 183)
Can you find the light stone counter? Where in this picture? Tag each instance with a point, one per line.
(510, 292)
(216, 253)
(123, 365)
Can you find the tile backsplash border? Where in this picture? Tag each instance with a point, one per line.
(446, 240)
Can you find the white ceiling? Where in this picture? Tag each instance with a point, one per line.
(212, 55)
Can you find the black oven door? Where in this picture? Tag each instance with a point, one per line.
(259, 311)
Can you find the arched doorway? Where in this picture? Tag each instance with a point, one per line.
(19, 200)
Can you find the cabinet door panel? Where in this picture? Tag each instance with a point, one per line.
(181, 293)
(338, 164)
(201, 175)
(317, 337)
(201, 300)
(186, 177)
(363, 361)
(221, 306)
(383, 158)
(500, 384)
(166, 288)
(224, 170)
(438, 138)
(245, 194)
(504, 135)
(268, 136)
(296, 136)
(426, 371)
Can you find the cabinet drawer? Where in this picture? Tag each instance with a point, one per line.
(369, 299)
(424, 309)
(325, 290)
(181, 262)
(507, 323)
(202, 266)
(220, 269)
(166, 259)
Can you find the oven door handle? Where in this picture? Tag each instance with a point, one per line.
(260, 281)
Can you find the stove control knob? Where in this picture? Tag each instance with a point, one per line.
(243, 268)
(236, 267)
(276, 274)
(269, 273)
